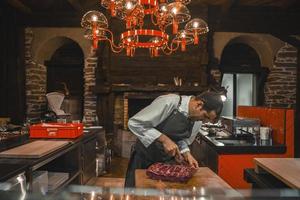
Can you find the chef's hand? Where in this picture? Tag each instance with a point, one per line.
(190, 159)
(169, 146)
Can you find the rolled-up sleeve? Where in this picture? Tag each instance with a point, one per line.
(183, 146)
(144, 122)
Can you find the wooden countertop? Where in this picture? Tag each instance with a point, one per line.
(285, 169)
(204, 177)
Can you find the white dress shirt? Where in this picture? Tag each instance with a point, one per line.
(144, 122)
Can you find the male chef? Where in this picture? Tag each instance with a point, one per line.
(166, 127)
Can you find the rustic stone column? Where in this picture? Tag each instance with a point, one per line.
(280, 89)
(36, 81)
(125, 112)
(90, 99)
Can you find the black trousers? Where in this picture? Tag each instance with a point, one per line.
(136, 161)
(142, 158)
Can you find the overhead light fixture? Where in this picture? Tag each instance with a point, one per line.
(133, 12)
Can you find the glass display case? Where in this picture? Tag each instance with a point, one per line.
(77, 192)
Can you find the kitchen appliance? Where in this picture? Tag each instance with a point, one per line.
(241, 125)
(55, 100)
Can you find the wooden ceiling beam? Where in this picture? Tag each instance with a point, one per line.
(76, 5)
(51, 20)
(251, 20)
(226, 7)
(19, 6)
(289, 39)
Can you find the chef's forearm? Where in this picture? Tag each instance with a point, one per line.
(162, 138)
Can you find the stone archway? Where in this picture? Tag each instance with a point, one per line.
(279, 57)
(265, 45)
(40, 44)
(261, 47)
(239, 54)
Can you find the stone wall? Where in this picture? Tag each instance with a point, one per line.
(90, 100)
(280, 89)
(36, 80)
(119, 110)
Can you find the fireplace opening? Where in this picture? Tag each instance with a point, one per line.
(135, 105)
(135, 102)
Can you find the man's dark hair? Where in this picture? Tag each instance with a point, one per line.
(212, 101)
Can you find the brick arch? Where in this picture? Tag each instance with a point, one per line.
(265, 45)
(54, 36)
(243, 39)
(48, 48)
(40, 44)
(280, 90)
(238, 54)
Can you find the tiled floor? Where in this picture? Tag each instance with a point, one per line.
(115, 176)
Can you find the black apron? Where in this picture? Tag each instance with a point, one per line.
(176, 126)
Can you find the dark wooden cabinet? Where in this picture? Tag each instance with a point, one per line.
(205, 154)
(88, 160)
(78, 159)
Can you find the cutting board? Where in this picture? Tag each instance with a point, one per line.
(204, 177)
(35, 149)
(285, 169)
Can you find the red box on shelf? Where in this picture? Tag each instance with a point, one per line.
(56, 130)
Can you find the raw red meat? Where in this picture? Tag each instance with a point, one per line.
(173, 173)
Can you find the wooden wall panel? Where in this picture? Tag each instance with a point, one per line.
(141, 69)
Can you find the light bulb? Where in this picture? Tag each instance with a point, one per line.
(174, 11)
(94, 18)
(183, 35)
(129, 5)
(195, 24)
(164, 8)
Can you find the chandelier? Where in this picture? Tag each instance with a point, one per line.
(133, 12)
